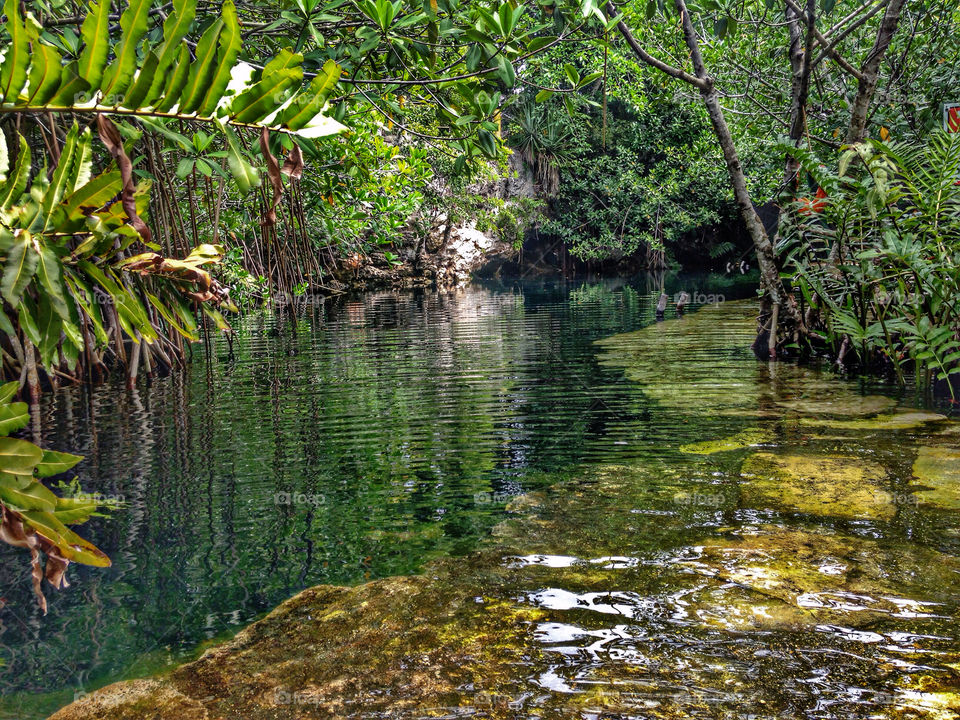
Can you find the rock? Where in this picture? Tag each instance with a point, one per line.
(896, 421)
(837, 486)
(745, 439)
(938, 469)
(847, 405)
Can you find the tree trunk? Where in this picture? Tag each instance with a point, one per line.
(870, 72)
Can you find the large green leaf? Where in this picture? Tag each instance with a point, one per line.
(141, 86)
(175, 28)
(71, 546)
(117, 76)
(18, 271)
(176, 82)
(51, 279)
(13, 417)
(35, 496)
(93, 195)
(230, 43)
(44, 74)
(54, 463)
(13, 69)
(96, 42)
(18, 457)
(263, 98)
(15, 185)
(202, 69)
(307, 105)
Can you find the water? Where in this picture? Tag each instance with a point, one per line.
(392, 430)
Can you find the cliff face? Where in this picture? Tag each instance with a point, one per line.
(447, 254)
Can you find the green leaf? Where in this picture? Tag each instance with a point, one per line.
(19, 457)
(143, 82)
(4, 158)
(572, 75)
(13, 70)
(309, 103)
(133, 26)
(54, 463)
(175, 28)
(72, 87)
(244, 174)
(71, 546)
(13, 416)
(8, 391)
(16, 184)
(202, 69)
(176, 82)
(51, 279)
(36, 496)
(543, 96)
(96, 38)
(44, 74)
(93, 195)
(20, 267)
(230, 43)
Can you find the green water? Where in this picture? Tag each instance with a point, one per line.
(618, 567)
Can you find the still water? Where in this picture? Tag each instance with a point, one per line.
(386, 431)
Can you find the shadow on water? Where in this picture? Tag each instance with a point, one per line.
(667, 528)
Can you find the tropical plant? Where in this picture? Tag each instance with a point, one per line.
(72, 242)
(31, 515)
(877, 258)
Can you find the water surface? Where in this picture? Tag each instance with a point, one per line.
(394, 429)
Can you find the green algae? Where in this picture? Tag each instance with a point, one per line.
(841, 486)
(894, 421)
(938, 470)
(745, 439)
(846, 405)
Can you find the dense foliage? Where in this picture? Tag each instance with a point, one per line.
(877, 260)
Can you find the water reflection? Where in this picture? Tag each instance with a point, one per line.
(361, 441)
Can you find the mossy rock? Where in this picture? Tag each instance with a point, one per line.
(895, 421)
(838, 486)
(938, 469)
(846, 405)
(744, 439)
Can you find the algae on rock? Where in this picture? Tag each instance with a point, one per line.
(840, 486)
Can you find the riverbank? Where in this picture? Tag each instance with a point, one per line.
(682, 584)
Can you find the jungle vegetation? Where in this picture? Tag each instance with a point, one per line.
(162, 164)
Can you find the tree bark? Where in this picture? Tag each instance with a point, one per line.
(870, 71)
(801, 51)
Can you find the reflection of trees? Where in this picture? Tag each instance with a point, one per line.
(394, 409)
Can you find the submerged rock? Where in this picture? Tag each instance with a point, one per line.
(938, 469)
(896, 421)
(839, 486)
(846, 405)
(744, 439)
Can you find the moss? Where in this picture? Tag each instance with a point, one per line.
(896, 421)
(938, 470)
(840, 486)
(846, 405)
(744, 439)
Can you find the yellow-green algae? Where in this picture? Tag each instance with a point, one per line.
(938, 470)
(747, 438)
(894, 421)
(643, 589)
(847, 404)
(820, 485)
